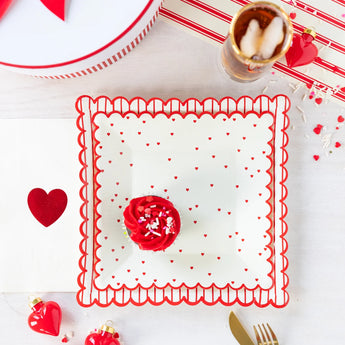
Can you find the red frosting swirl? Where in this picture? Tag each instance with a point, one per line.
(153, 222)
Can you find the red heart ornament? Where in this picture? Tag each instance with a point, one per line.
(47, 208)
(45, 318)
(302, 50)
(55, 6)
(102, 338)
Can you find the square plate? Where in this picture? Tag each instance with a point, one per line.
(222, 165)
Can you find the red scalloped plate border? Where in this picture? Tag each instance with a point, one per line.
(242, 295)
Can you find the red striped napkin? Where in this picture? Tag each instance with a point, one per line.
(325, 77)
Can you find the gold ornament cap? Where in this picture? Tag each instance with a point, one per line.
(310, 32)
(34, 301)
(109, 329)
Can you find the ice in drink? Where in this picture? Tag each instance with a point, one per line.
(260, 33)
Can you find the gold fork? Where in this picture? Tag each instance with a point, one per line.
(266, 338)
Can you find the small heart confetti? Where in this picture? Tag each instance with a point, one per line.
(317, 129)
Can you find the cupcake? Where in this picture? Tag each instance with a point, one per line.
(152, 222)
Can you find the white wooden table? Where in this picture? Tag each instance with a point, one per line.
(170, 63)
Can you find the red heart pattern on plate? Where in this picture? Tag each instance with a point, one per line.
(47, 208)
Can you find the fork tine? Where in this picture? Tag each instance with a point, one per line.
(257, 336)
(275, 340)
(269, 342)
(262, 336)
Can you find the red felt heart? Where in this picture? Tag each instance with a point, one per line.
(46, 318)
(47, 208)
(55, 6)
(302, 51)
(103, 338)
(4, 5)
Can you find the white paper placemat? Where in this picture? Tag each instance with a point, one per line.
(38, 153)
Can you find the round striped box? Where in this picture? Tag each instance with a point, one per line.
(94, 35)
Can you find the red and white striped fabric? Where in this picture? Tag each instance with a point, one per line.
(92, 37)
(210, 20)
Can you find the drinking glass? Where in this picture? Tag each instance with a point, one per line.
(236, 63)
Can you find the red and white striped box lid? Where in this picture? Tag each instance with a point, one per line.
(94, 35)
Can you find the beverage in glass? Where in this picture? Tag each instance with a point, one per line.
(259, 34)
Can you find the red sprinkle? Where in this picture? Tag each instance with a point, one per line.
(293, 15)
(337, 144)
(64, 339)
(316, 157)
(340, 118)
